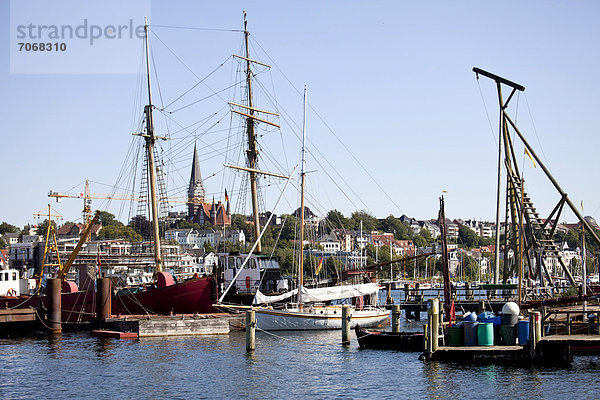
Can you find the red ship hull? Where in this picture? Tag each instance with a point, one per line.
(195, 296)
(189, 297)
(76, 306)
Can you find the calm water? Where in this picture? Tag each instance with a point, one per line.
(298, 364)
(285, 365)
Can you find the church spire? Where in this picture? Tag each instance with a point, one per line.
(196, 188)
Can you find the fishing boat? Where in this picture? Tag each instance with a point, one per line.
(313, 308)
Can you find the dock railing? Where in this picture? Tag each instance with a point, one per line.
(571, 322)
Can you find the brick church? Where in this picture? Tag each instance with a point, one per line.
(202, 212)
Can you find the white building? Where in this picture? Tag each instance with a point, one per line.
(193, 239)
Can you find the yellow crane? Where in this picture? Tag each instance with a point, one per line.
(87, 198)
(64, 269)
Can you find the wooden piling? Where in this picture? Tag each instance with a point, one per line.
(535, 333)
(481, 306)
(53, 294)
(103, 299)
(396, 311)
(346, 325)
(250, 331)
(433, 312)
(538, 326)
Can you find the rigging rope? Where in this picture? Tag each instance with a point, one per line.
(333, 133)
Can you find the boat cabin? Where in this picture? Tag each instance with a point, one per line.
(260, 272)
(10, 284)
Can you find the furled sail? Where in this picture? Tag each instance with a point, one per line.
(320, 294)
(337, 292)
(260, 298)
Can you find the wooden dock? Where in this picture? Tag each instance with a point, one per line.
(472, 353)
(19, 321)
(176, 325)
(18, 315)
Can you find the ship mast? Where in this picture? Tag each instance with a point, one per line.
(303, 178)
(252, 152)
(150, 141)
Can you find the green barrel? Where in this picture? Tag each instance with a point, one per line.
(455, 335)
(485, 334)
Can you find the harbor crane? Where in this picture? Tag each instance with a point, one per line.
(87, 198)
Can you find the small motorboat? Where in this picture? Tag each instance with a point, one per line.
(385, 340)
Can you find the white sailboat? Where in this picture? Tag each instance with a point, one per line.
(311, 311)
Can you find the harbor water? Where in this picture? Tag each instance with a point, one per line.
(284, 365)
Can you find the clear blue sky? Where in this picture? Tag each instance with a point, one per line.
(392, 79)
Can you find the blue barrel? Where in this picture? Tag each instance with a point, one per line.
(470, 333)
(523, 330)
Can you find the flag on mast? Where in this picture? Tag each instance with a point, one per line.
(226, 197)
(531, 158)
(319, 266)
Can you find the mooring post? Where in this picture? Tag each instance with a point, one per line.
(539, 327)
(53, 294)
(433, 319)
(426, 345)
(103, 299)
(532, 342)
(481, 307)
(345, 325)
(250, 330)
(396, 311)
(388, 297)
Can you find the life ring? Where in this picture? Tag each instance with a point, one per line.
(11, 292)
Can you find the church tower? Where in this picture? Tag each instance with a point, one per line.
(196, 188)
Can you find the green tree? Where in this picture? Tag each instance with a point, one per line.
(483, 241)
(425, 234)
(470, 268)
(8, 228)
(573, 239)
(400, 229)
(467, 237)
(288, 230)
(2, 244)
(419, 241)
(384, 253)
(337, 220)
(141, 225)
(369, 222)
(119, 231)
(208, 248)
(286, 259)
(43, 227)
(238, 221)
(107, 219)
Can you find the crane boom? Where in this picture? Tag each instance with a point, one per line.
(62, 273)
